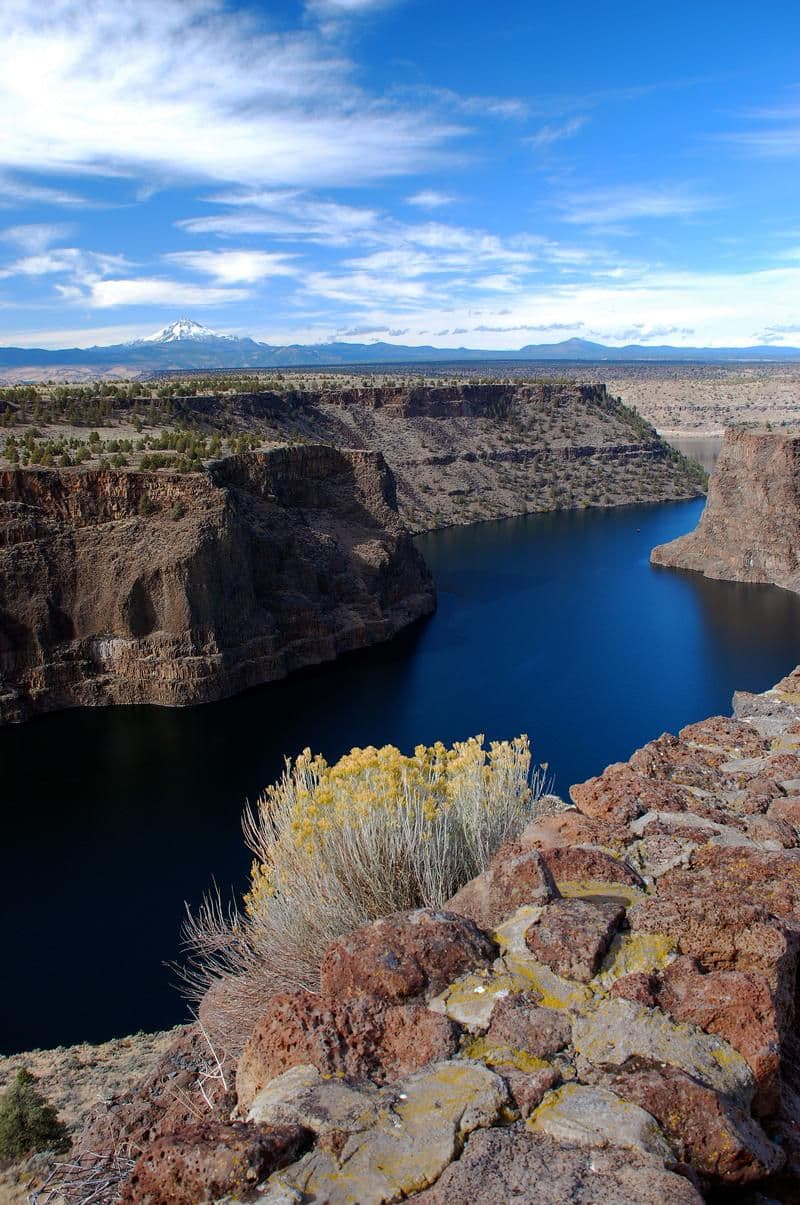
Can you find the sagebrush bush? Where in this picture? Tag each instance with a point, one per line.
(338, 846)
(27, 1122)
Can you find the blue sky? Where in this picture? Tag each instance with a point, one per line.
(420, 171)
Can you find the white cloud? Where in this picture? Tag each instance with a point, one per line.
(234, 267)
(104, 294)
(429, 198)
(192, 89)
(609, 206)
(550, 134)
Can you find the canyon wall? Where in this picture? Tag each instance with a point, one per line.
(463, 453)
(137, 587)
(750, 528)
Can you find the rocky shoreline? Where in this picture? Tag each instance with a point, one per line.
(607, 1013)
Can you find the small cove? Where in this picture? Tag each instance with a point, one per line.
(552, 624)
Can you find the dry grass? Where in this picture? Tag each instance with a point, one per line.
(338, 846)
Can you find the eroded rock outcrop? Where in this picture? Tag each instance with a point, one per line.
(626, 1030)
(748, 531)
(132, 587)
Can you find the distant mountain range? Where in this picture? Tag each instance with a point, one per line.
(187, 345)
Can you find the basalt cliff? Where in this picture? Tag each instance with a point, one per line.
(154, 587)
(462, 453)
(750, 528)
(607, 1014)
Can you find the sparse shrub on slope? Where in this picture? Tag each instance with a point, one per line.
(338, 846)
(27, 1122)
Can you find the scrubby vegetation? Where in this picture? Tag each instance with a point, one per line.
(27, 1122)
(338, 846)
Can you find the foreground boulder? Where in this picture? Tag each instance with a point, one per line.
(515, 876)
(532, 1169)
(204, 1162)
(361, 1039)
(405, 955)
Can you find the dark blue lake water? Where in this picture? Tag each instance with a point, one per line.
(553, 625)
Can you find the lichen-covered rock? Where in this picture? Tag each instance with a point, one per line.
(527, 973)
(532, 1169)
(572, 936)
(404, 955)
(615, 1031)
(767, 877)
(209, 1160)
(710, 1132)
(619, 795)
(519, 1021)
(361, 1039)
(578, 863)
(738, 1006)
(515, 877)
(595, 1117)
(418, 1131)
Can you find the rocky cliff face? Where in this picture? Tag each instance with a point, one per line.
(467, 452)
(750, 528)
(607, 1014)
(134, 587)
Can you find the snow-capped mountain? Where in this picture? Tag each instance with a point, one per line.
(183, 331)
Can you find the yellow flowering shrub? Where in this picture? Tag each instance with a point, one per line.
(337, 846)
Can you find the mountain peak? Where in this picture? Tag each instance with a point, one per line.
(185, 329)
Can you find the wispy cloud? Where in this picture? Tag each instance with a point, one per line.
(628, 203)
(550, 134)
(430, 198)
(21, 192)
(192, 89)
(777, 135)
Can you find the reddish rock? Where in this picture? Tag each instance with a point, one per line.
(571, 862)
(767, 877)
(572, 936)
(528, 1090)
(669, 760)
(204, 1162)
(730, 736)
(518, 1021)
(361, 1039)
(710, 1133)
(779, 777)
(725, 932)
(639, 987)
(515, 877)
(786, 809)
(770, 831)
(166, 1098)
(572, 827)
(736, 1005)
(404, 955)
(619, 795)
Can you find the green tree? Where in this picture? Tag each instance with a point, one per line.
(27, 1122)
